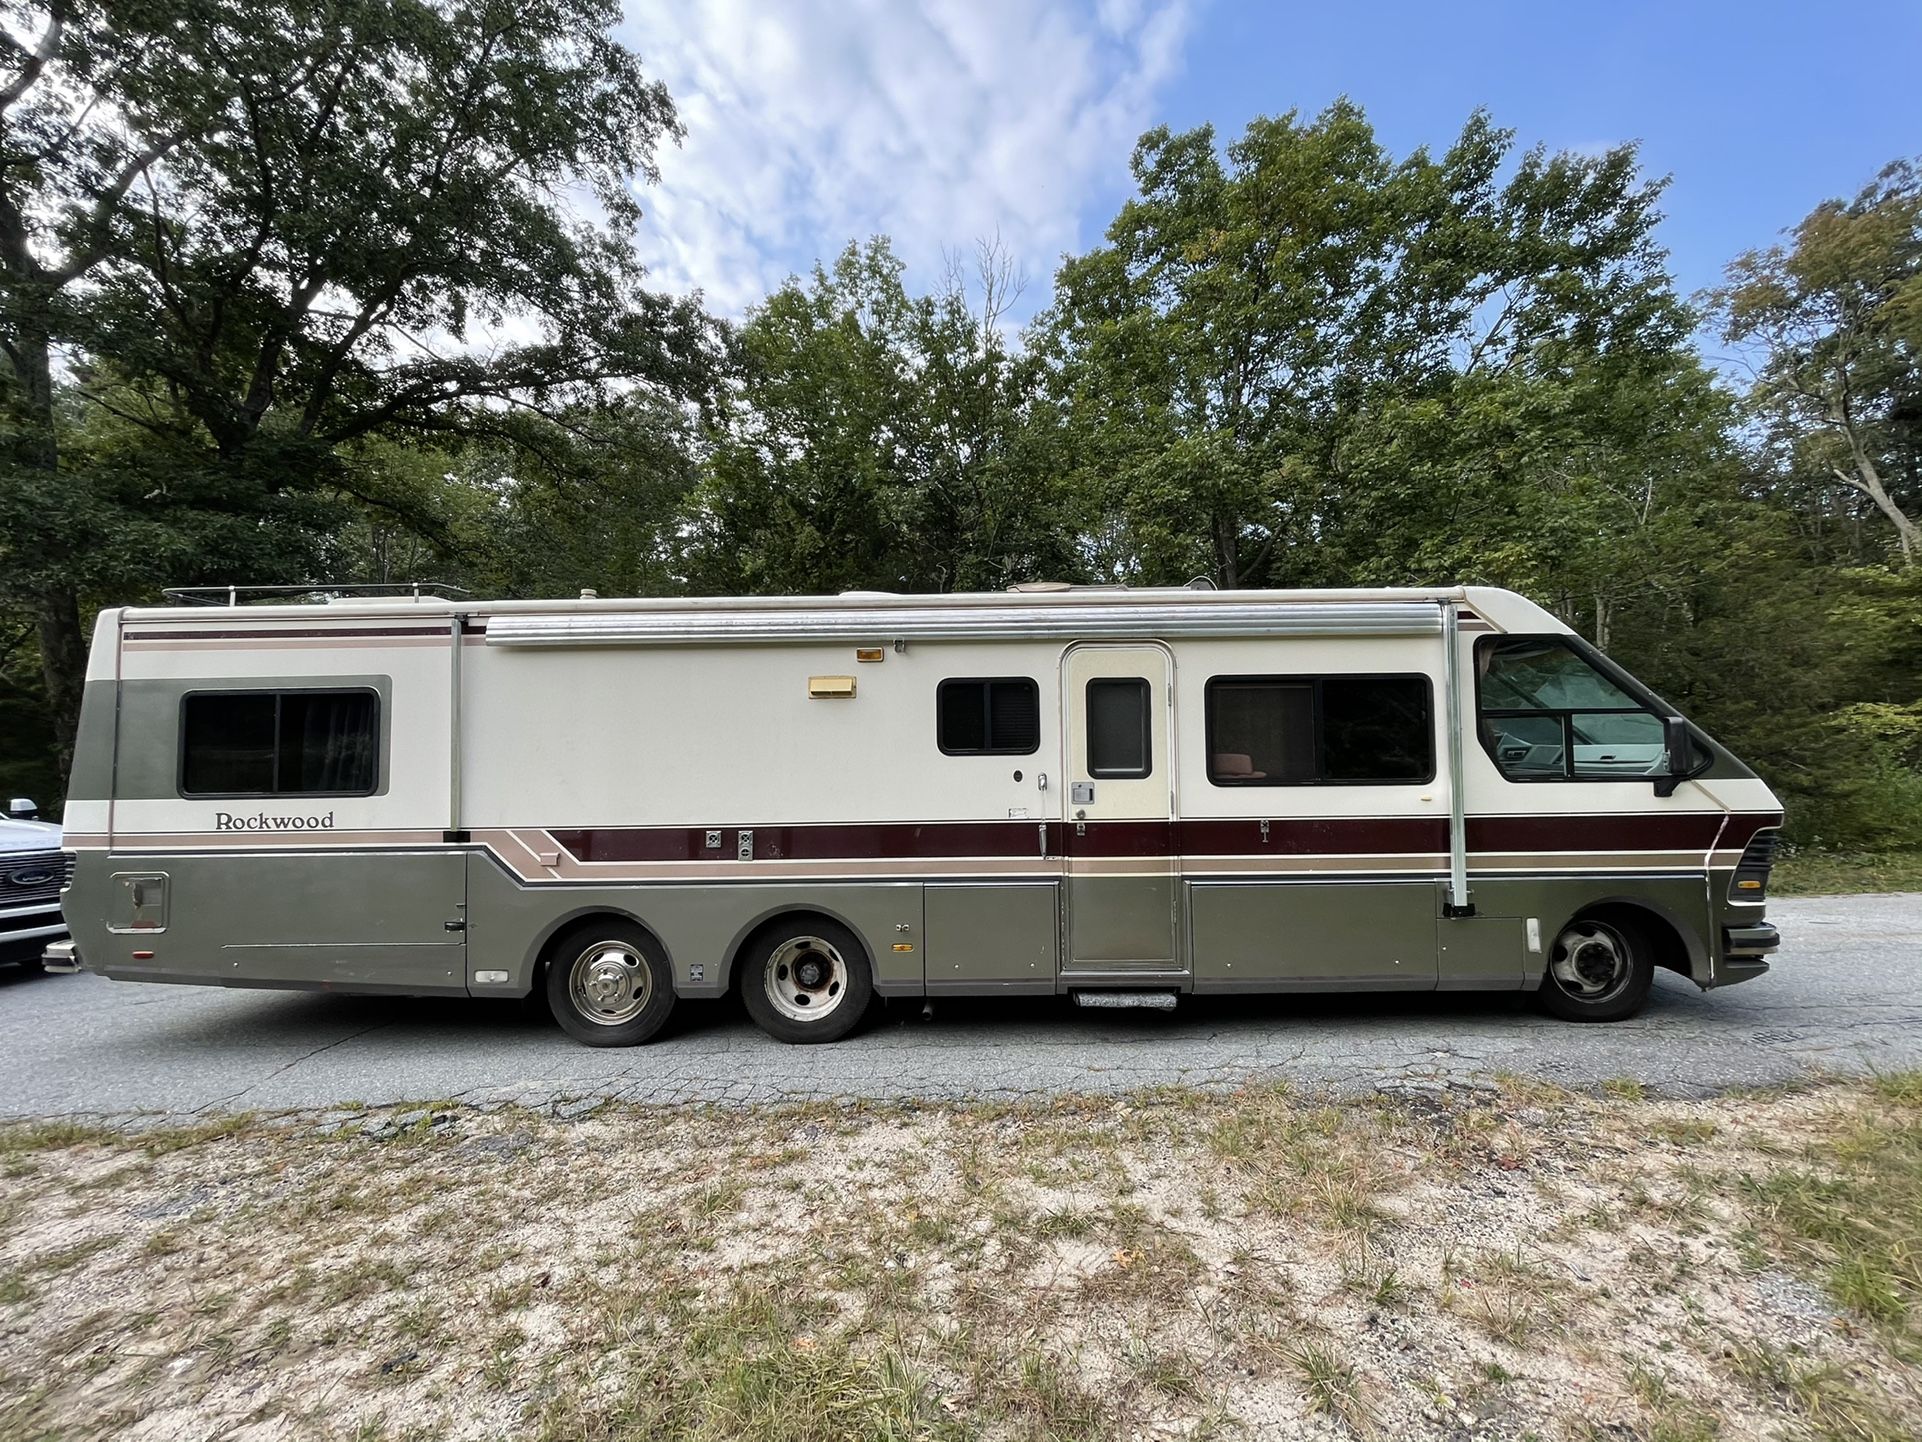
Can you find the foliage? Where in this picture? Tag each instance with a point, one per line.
(1833, 326)
(314, 224)
(877, 440)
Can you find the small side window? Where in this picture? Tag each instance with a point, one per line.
(988, 716)
(279, 743)
(1119, 740)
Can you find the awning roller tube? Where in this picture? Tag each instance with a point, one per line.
(947, 623)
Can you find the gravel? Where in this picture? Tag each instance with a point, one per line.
(1842, 998)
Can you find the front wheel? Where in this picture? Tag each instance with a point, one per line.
(1597, 971)
(806, 981)
(609, 984)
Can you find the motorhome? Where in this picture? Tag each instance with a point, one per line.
(1129, 796)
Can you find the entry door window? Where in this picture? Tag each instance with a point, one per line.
(1120, 742)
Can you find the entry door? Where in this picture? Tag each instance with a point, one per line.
(1121, 879)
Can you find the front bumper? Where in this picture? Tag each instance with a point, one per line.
(1758, 938)
(1745, 952)
(62, 957)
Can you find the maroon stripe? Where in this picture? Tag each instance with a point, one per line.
(1680, 832)
(1387, 835)
(1363, 836)
(810, 843)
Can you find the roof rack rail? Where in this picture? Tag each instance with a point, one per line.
(320, 591)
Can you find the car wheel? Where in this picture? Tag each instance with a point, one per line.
(1598, 970)
(806, 981)
(609, 984)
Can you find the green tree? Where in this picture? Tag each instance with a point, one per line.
(878, 440)
(1302, 360)
(371, 238)
(1833, 324)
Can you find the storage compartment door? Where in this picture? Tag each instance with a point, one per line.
(990, 936)
(1306, 935)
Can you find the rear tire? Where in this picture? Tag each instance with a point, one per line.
(1599, 969)
(806, 980)
(609, 983)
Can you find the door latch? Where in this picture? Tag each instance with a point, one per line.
(453, 926)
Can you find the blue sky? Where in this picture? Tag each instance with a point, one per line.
(941, 122)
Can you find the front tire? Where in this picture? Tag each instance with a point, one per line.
(1599, 969)
(609, 984)
(806, 981)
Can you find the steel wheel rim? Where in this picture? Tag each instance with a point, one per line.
(806, 979)
(610, 983)
(1591, 961)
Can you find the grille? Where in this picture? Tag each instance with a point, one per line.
(37, 876)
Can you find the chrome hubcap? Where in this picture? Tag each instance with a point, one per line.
(610, 983)
(1591, 960)
(806, 978)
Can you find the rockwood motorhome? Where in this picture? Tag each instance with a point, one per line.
(1126, 795)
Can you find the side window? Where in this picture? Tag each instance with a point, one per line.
(279, 743)
(1320, 730)
(1547, 714)
(992, 716)
(1118, 727)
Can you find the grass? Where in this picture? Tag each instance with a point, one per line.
(1330, 1381)
(1183, 1264)
(1839, 873)
(1849, 1210)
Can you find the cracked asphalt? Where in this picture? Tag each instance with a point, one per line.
(1845, 996)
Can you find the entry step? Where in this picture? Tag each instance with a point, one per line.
(1153, 1000)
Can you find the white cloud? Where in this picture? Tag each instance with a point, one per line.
(938, 122)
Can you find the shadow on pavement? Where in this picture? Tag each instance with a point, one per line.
(276, 1017)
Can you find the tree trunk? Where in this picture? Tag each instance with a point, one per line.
(63, 664)
(1228, 552)
(56, 607)
(1868, 480)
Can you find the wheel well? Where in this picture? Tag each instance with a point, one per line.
(1671, 951)
(783, 919)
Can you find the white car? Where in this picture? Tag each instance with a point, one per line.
(32, 871)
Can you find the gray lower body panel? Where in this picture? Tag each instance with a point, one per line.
(378, 921)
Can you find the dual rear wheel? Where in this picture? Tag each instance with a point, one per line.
(803, 980)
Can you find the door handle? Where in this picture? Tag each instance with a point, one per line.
(453, 926)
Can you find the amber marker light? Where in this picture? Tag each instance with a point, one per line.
(871, 653)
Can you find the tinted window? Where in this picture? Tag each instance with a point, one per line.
(1376, 728)
(1310, 730)
(1118, 722)
(1548, 714)
(279, 743)
(994, 716)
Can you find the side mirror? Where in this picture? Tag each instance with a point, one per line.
(1675, 755)
(21, 808)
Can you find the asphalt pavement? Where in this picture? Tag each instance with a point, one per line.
(1845, 996)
